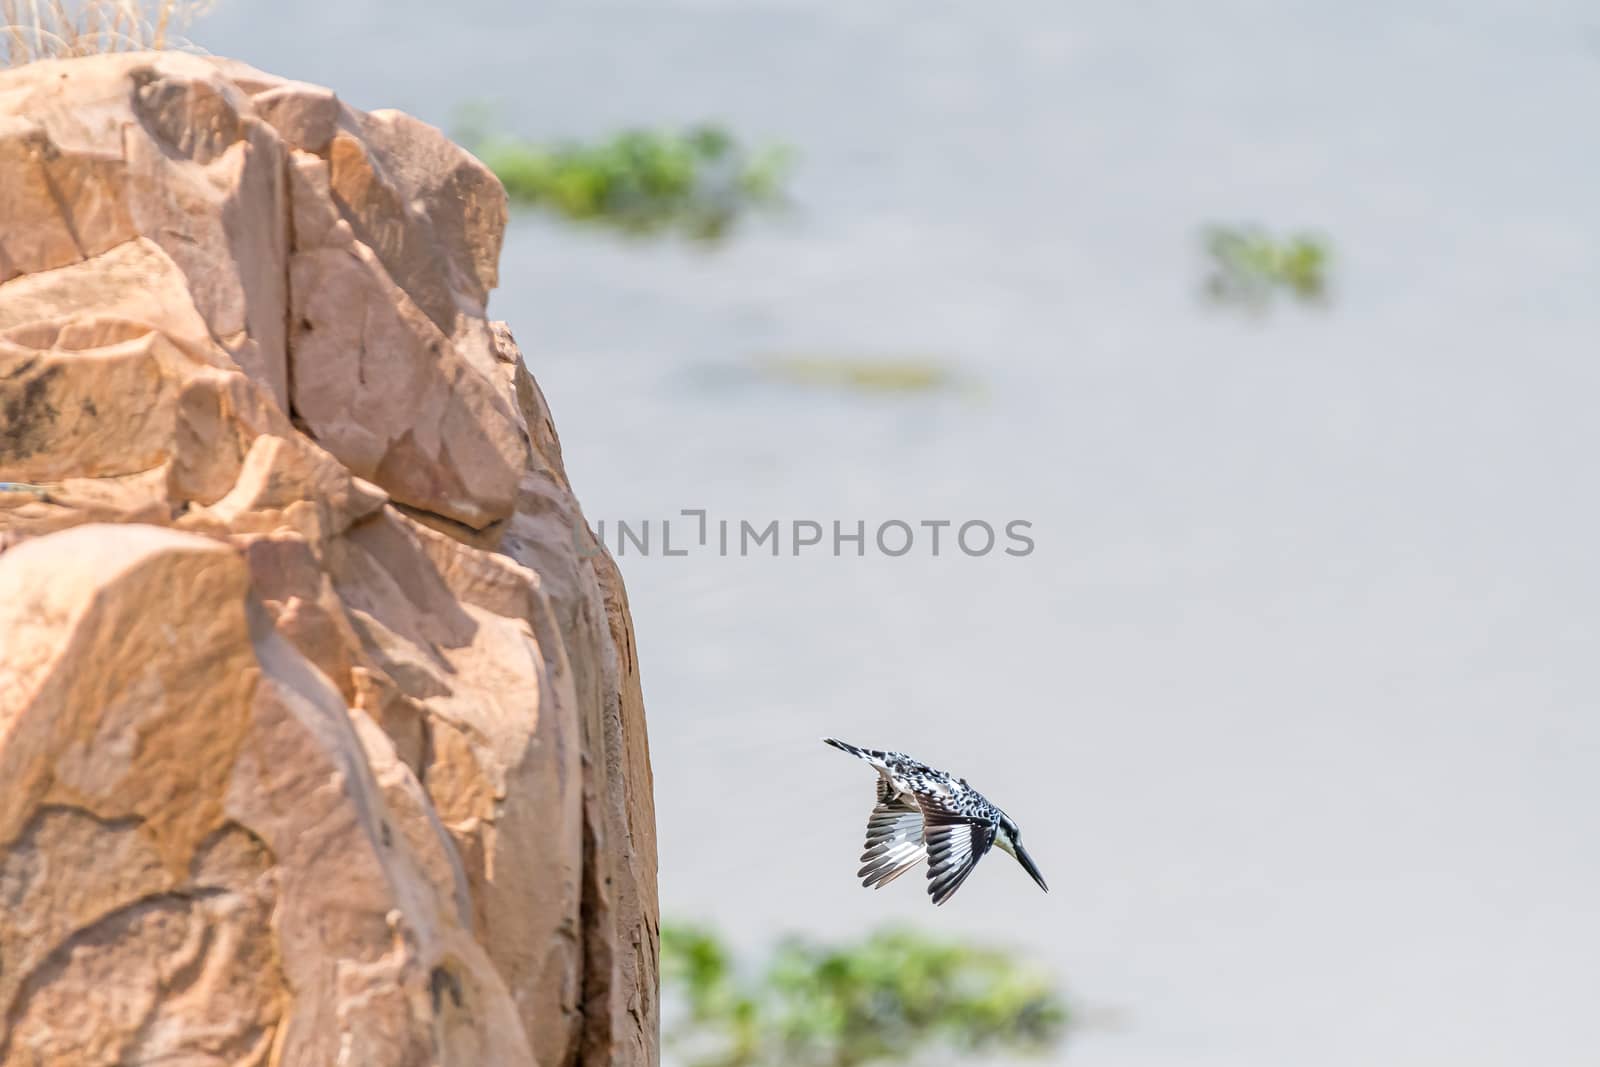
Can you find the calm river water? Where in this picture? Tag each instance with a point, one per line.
(1296, 697)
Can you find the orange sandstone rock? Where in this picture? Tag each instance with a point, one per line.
(320, 730)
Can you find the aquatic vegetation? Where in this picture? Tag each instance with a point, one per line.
(904, 374)
(1249, 266)
(698, 182)
(48, 29)
(884, 999)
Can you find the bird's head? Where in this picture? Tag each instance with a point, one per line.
(1009, 837)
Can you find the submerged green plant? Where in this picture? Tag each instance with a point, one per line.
(891, 374)
(881, 1000)
(698, 181)
(1249, 266)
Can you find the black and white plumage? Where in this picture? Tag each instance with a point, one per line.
(923, 813)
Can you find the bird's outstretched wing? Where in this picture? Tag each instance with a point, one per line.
(894, 839)
(955, 844)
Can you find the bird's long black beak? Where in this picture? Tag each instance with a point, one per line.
(1028, 865)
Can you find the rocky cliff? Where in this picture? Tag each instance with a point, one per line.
(321, 739)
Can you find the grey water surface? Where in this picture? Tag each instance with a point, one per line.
(1296, 697)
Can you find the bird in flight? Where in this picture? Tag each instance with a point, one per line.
(929, 814)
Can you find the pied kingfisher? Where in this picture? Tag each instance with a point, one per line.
(927, 814)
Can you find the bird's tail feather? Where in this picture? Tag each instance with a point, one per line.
(845, 746)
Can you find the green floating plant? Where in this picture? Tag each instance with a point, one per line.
(885, 999)
(698, 181)
(1250, 266)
